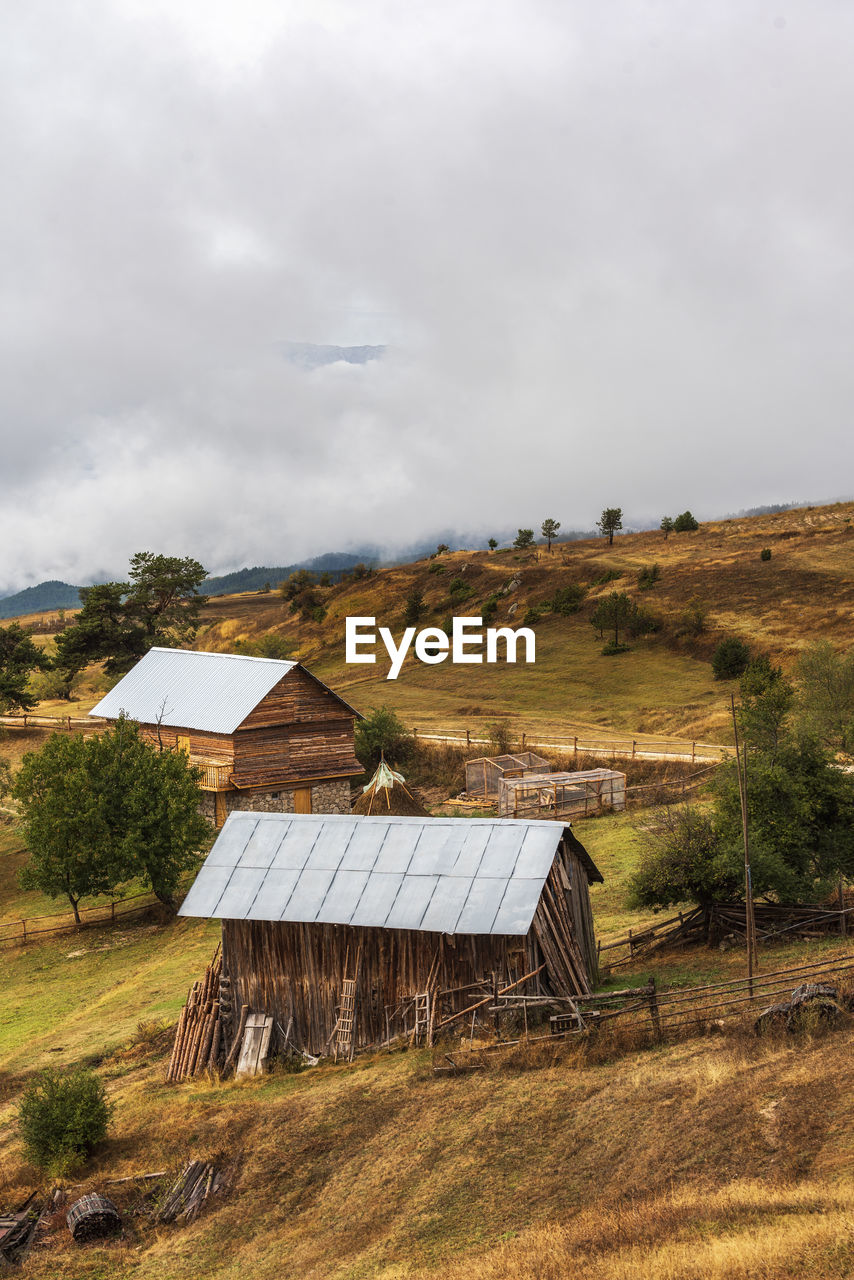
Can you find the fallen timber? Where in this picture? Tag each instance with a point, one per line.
(719, 922)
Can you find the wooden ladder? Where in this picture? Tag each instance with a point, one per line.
(422, 1017)
(345, 1028)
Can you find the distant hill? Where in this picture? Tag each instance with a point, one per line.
(313, 355)
(333, 562)
(40, 599)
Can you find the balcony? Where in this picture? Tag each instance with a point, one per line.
(215, 775)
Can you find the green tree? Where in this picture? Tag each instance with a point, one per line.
(681, 860)
(685, 523)
(160, 604)
(619, 612)
(19, 656)
(524, 538)
(610, 522)
(64, 823)
(567, 600)
(97, 812)
(414, 610)
(666, 526)
(492, 544)
(825, 702)
(156, 828)
(300, 580)
(767, 698)
(730, 659)
(694, 616)
(800, 820)
(549, 529)
(382, 734)
(62, 1116)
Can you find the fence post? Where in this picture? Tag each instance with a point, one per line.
(693, 752)
(24, 928)
(523, 742)
(468, 738)
(113, 911)
(843, 923)
(575, 746)
(634, 748)
(653, 1009)
(631, 945)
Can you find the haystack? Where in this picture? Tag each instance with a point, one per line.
(387, 792)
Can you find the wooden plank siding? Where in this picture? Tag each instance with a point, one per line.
(297, 697)
(297, 970)
(203, 746)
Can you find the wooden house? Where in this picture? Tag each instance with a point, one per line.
(266, 734)
(371, 918)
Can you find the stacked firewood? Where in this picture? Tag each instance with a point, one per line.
(199, 1180)
(198, 1039)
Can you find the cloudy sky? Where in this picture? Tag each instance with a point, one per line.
(610, 248)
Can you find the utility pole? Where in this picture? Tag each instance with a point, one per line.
(750, 923)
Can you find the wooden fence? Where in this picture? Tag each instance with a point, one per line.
(656, 1012)
(610, 745)
(723, 920)
(576, 744)
(29, 720)
(17, 933)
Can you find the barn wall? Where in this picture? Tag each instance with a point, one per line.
(265, 756)
(205, 746)
(297, 696)
(296, 970)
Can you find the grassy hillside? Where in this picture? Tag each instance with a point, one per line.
(720, 1158)
(714, 1158)
(664, 686)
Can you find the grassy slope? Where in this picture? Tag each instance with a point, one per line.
(384, 1171)
(665, 685)
(711, 1158)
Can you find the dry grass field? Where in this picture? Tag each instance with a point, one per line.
(663, 686)
(726, 1157)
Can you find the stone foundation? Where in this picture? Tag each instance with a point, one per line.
(332, 796)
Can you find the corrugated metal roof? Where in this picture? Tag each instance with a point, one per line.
(189, 689)
(445, 875)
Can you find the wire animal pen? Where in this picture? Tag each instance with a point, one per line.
(562, 795)
(484, 775)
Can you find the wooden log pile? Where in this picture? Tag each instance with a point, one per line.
(199, 1036)
(199, 1180)
(93, 1217)
(16, 1231)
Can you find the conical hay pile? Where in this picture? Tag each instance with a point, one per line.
(387, 792)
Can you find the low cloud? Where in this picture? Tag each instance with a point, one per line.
(609, 252)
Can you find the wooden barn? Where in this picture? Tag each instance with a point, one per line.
(371, 919)
(266, 734)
